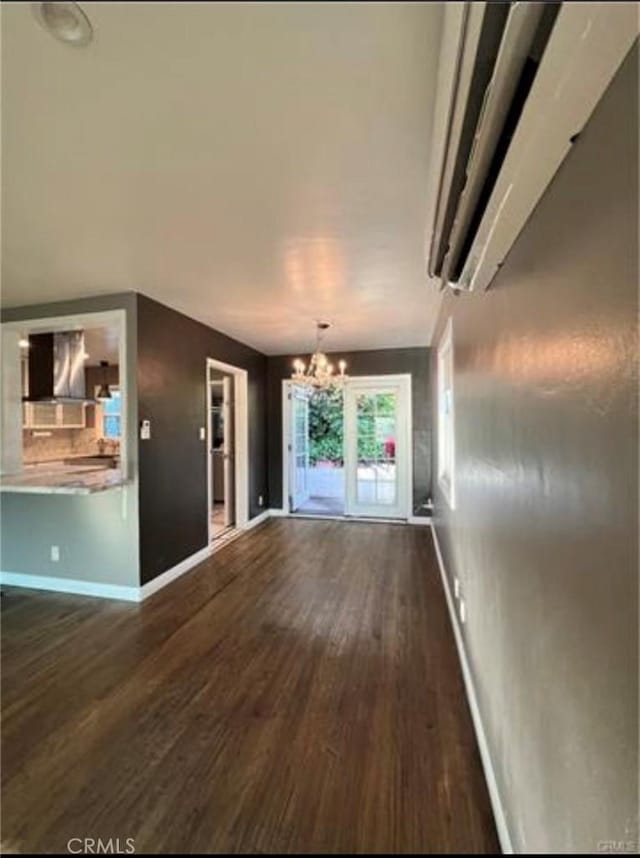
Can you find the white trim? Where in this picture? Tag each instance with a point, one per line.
(105, 591)
(404, 465)
(225, 538)
(317, 516)
(286, 431)
(346, 519)
(170, 575)
(404, 379)
(420, 520)
(504, 835)
(241, 427)
(139, 594)
(79, 321)
(350, 519)
(258, 520)
(209, 446)
(228, 467)
(278, 513)
(70, 585)
(297, 397)
(446, 421)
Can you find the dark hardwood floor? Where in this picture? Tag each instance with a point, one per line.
(298, 692)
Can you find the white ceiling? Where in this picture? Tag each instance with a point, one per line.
(257, 166)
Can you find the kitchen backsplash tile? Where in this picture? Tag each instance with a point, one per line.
(51, 445)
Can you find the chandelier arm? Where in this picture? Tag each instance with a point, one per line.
(319, 373)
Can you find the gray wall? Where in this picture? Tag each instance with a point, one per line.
(544, 536)
(172, 393)
(163, 516)
(97, 534)
(373, 362)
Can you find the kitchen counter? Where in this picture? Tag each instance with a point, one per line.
(63, 480)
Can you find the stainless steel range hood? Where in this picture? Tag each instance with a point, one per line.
(56, 367)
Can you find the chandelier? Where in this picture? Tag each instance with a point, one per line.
(319, 373)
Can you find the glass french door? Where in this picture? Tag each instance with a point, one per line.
(299, 448)
(377, 447)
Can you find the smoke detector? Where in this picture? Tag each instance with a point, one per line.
(65, 21)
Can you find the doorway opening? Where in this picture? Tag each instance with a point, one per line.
(318, 482)
(227, 446)
(221, 404)
(347, 450)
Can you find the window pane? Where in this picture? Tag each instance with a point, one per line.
(376, 477)
(112, 406)
(111, 426)
(386, 492)
(366, 483)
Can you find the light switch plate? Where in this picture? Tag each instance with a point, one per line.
(203, 434)
(145, 430)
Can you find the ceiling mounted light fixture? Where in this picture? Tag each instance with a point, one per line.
(104, 392)
(319, 373)
(66, 21)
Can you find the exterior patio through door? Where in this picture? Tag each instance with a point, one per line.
(373, 480)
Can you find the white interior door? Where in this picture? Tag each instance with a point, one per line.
(228, 419)
(298, 448)
(377, 447)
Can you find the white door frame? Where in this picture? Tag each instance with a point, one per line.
(297, 396)
(241, 427)
(12, 398)
(229, 452)
(404, 378)
(287, 384)
(405, 501)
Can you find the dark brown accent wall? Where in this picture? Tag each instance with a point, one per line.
(172, 353)
(367, 362)
(544, 537)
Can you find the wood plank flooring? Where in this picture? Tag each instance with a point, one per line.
(298, 692)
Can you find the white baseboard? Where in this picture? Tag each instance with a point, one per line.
(171, 574)
(189, 562)
(259, 519)
(70, 585)
(104, 591)
(504, 836)
(420, 520)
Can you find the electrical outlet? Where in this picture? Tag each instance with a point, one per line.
(55, 553)
(463, 611)
(260, 500)
(456, 587)
(203, 434)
